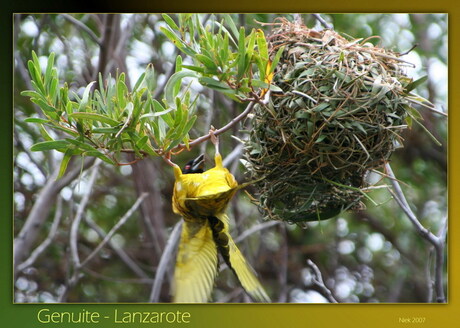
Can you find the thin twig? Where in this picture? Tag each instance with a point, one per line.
(227, 127)
(83, 27)
(318, 280)
(78, 216)
(437, 242)
(41, 208)
(115, 228)
(49, 239)
(256, 228)
(401, 200)
(144, 281)
(283, 267)
(166, 257)
(322, 21)
(120, 252)
(73, 238)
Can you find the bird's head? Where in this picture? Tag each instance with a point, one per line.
(194, 166)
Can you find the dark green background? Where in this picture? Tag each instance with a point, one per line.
(238, 315)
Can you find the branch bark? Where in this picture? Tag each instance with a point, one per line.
(437, 242)
(47, 242)
(27, 237)
(166, 258)
(318, 281)
(115, 228)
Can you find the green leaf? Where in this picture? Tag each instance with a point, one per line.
(156, 113)
(50, 145)
(227, 34)
(178, 63)
(178, 113)
(100, 155)
(436, 141)
(411, 86)
(36, 120)
(174, 80)
(320, 107)
(170, 22)
(210, 82)
(121, 91)
(32, 94)
(241, 54)
(251, 43)
(82, 145)
(276, 59)
(52, 90)
(262, 45)
(162, 129)
(413, 112)
(43, 105)
(207, 62)
(320, 138)
(85, 98)
(189, 125)
(150, 77)
(94, 117)
(49, 68)
(36, 61)
(409, 121)
(194, 68)
(275, 88)
(142, 141)
(259, 84)
(178, 42)
(105, 130)
(65, 162)
(45, 133)
(36, 77)
(159, 108)
(139, 81)
(231, 24)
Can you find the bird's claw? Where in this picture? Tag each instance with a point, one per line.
(214, 138)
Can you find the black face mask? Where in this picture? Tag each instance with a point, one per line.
(194, 166)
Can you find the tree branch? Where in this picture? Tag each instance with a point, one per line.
(40, 210)
(318, 281)
(82, 27)
(256, 228)
(78, 217)
(166, 258)
(115, 228)
(322, 21)
(227, 127)
(120, 252)
(49, 239)
(437, 242)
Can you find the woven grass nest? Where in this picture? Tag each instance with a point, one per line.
(337, 112)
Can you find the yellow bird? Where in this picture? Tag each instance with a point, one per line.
(201, 199)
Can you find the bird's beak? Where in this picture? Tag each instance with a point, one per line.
(198, 163)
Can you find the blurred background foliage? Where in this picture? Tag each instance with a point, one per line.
(374, 255)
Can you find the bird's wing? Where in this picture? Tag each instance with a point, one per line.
(196, 264)
(235, 259)
(210, 204)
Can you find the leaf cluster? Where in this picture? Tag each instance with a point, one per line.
(224, 57)
(108, 119)
(111, 119)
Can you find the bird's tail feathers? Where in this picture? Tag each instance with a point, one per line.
(235, 259)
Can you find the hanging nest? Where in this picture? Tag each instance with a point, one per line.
(337, 111)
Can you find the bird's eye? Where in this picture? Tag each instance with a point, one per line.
(187, 167)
